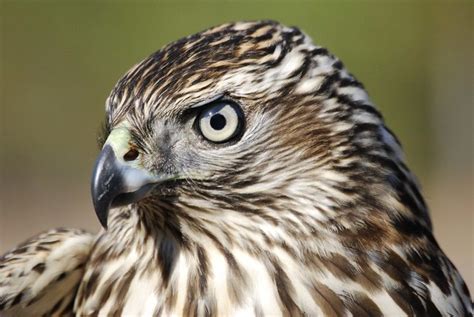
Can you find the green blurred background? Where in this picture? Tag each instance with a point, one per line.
(60, 59)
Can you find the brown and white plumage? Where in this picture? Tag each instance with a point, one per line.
(309, 209)
(41, 276)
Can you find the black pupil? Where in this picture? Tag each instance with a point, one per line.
(218, 121)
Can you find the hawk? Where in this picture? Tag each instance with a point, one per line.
(243, 172)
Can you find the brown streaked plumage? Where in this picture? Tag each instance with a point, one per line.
(244, 171)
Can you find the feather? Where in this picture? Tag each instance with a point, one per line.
(41, 276)
(296, 201)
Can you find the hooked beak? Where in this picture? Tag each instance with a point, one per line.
(116, 182)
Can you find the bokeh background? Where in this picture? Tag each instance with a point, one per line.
(60, 59)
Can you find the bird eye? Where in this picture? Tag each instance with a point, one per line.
(220, 121)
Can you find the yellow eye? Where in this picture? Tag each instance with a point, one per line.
(220, 121)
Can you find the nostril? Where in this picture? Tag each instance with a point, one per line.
(131, 155)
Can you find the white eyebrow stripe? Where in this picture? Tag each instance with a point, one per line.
(206, 101)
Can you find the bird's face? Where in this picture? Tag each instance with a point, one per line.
(246, 118)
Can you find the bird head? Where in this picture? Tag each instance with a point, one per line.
(246, 122)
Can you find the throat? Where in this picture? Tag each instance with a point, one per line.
(157, 267)
(132, 270)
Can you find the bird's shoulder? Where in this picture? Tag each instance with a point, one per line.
(41, 275)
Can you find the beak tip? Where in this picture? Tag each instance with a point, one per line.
(103, 222)
(102, 211)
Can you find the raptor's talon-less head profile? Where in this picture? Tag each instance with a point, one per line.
(251, 141)
(245, 172)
